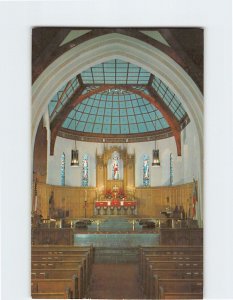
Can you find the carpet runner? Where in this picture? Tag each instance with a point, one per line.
(115, 281)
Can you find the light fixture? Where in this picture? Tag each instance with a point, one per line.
(155, 157)
(74, 157)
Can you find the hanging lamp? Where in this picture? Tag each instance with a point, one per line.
(74, 157)
(155, 157)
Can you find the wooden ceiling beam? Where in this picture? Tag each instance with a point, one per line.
(187, 63)
(169, 116)
(47, 54)
(78, 97)
(176, 52)
(61, 116)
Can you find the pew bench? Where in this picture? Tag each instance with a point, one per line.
(173, 258)
(65, 253)
(168, 274)
(60, 270)
(177, 286)
(166, 250)
(190, 272)
(62, 274)
(170, 265)
(83, 259)
(66, 295)
(175, 295)
(56, 286)
(61, 249)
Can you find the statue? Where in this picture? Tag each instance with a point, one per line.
(115, 169)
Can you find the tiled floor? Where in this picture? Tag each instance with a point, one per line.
(115, 281)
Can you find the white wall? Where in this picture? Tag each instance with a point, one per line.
(184, 167)
(73, 176)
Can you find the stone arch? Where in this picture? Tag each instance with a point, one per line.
(111, 46)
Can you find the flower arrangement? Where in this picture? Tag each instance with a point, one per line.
(121, 193)
(108, 194)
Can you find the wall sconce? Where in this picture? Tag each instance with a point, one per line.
(155, 157)
(74, 157)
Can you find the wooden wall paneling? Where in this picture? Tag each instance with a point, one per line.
(150, 201)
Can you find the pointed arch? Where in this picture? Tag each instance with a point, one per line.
(111, 46)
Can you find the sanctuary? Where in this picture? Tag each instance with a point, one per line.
(117, 139)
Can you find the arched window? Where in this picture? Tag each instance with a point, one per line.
(115, 166)
(146, 173)
(85, 170)
(63, 164)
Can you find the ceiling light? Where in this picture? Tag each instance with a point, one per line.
(155, 157)
(74, 157)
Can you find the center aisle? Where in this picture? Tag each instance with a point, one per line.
(115, 281)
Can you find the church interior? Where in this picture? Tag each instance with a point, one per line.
(117, 173)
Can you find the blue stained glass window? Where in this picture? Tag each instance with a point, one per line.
(63, 163)
(171, 169)
(85, 170)
(146, 173)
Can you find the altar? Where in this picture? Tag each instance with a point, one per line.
(115, 183)
(115, 207)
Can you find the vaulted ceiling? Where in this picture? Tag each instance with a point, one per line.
(117, 101)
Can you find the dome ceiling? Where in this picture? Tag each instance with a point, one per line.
(116, 101)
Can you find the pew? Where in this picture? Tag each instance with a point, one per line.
(168, 274)
(66, 295)
(177, 286)
(160, 266)
(83, 259)
(61, 262)
(175, 295)
(66, 251)
(165, 250)
(62, 248)
(56, 286)
(148, 259)
(179, 270)
(63, 274)
(60, 270)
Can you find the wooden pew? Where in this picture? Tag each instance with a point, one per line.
(175, 295)
(65, 250)
(181, 270)
(61, 248)
(62, 274)
(56, 286)
(147, 259)
(66, 295)
(167, 250)
(59, 270)
(169, 273)
(177, 286)
(82, 259)
(169, 264)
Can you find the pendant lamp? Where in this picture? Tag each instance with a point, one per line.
(155, 157)
(74, 157)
